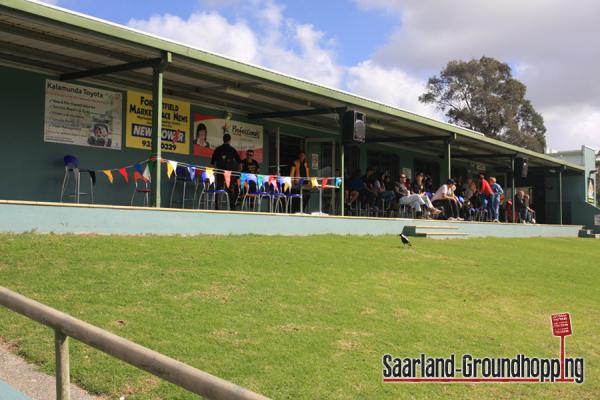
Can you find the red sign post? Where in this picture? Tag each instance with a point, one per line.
(561, 326)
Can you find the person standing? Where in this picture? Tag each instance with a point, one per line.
(250, 166)
(486, 193)
(496, 193)
(226, 158)
(300, 176)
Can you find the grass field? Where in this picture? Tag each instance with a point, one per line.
(308, 317)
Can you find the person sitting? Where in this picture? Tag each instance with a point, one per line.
(414, 200)
(520, 208)
(497, 192)
(369, 192)
(444, 197)
(418, 187)
(356, 186)
(383, 187)
(530, 213)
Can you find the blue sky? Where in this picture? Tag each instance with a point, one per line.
(386, 49)
(357, 33)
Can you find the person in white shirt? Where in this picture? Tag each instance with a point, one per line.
(444, 197)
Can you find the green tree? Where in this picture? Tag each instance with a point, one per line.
(482, 95)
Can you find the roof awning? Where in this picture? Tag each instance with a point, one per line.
(60, 42)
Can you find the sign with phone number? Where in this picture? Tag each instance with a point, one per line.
(175, 123)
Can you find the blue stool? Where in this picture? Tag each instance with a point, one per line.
(73, 172)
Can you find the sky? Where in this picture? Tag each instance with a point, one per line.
(386, 49)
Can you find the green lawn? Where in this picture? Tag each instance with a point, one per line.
(308, 317)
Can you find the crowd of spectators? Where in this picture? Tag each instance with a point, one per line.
(478, 198)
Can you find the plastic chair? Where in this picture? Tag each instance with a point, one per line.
(141, 187)
(182, 174)
(290, 196)
(72, 171)
(210, 195)
(250, 193)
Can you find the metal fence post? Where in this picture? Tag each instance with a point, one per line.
(61, 348)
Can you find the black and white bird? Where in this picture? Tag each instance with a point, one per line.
(405, 240)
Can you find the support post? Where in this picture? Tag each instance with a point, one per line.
(342, 186)
(512, 188)
(61, 348)
(278, 151)
(448, 158)
(560, 197)
(157, 97)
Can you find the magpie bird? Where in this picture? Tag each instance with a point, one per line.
(405, 240)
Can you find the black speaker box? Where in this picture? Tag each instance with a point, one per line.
(521, 167)
(354, 127)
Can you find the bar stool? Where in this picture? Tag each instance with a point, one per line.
(73, 172)
(182, 174)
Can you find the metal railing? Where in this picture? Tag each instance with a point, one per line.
(164, 367)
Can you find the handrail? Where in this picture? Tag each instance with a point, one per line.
(164, 367)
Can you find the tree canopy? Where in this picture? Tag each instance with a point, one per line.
(482, 95)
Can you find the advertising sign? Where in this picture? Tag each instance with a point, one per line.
(82, 115)
(208, 134)
(175, 123)
(561, 324)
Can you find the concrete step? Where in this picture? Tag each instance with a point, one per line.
(435, 227)
(588, 233)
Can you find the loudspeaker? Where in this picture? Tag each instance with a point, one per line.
(354, 127)
(521, 167)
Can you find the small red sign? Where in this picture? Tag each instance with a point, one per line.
(561, 324)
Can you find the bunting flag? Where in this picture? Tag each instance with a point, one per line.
(243, 177)
(108, 174)
(137, 176)
(204, 176)
(324, 182)
(261, 181)
(123, 172)
(210, 175)
(314, 182)
(338, 182)
(171, 166)
(273, 181)
(147, 176)
(227, 176)
(287, 183)
(138, 168)
(192, 171)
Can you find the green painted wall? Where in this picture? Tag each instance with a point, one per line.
(33, 169)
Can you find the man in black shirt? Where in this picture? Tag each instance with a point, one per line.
(250, 166)
(225, 157)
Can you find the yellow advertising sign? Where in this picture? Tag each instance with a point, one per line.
(175, 123)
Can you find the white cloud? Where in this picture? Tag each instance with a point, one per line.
(208, 31)
(571, 126)
(388, 85)
(278, 43)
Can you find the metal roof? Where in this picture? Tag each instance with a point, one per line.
(59, 41)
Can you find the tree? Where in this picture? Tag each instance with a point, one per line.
(483, 96)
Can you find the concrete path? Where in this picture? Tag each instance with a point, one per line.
(17, 376)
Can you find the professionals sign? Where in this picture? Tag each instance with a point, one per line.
(209, 130)
(175, 123)
(82, 115)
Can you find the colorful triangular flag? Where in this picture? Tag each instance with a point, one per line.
(108, 174)
(138, 168)
(227, 176)
(192, 171)
(123, 172)
(147, 176)
(171, 167)
(324, 182)
(338, 182)
(314, 182)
